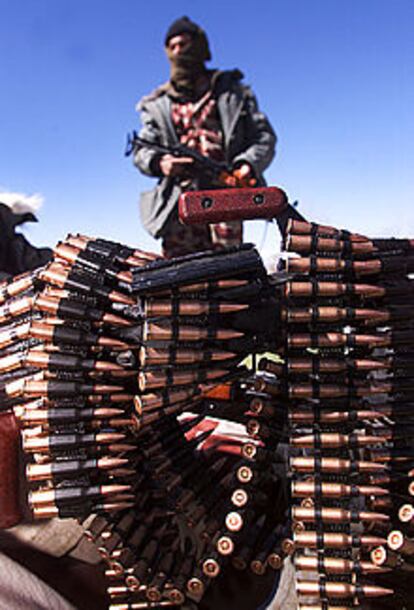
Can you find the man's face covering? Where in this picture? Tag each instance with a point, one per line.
(187, 49)
(187, 54)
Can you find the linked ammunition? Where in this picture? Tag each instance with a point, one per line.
(398, 542)
(270, 551)
(163, 571)
(319, 366)
(302, 227)
(211, 287)
(368, 317)
(337, 440)
(168, 332)
(63, 388)
(12, 362)
(306, 244)
(302, 489)
(60, 304)
(334, 339)
(111, 540)
(54, 416)
(333, 465)
(17, 285)
(151, 356)
(127, 555)
(264, 407)
(196, 587)
(62, 277)
(308, 416)
(310, 539)
(157, 307)
(20, 331)
(59, 442)
(148, 418)
(69, 468)
(225, 546)
(68, 495)
(75, 511)
(200, 486)
(211, 567)
(105, 397)
(387, 559)
(406, 511)
(339, 590)
(257, 531)
(344, 403)
(83, 242)
(92, 262)
(42, 359)
(333, 565)
(154, 380)
(234, 521)
(336, 289)
(140, 567)
(149, 402)
(348, 375)
(64, 334)
(336, 515)
(15, 308)
(387, 267)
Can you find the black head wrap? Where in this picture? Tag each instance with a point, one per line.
(184, 25)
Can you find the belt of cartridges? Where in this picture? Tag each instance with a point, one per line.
(348, 377)
(124, 372)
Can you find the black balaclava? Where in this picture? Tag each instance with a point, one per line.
(186, 69)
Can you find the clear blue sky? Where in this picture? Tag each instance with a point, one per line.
(336, 78)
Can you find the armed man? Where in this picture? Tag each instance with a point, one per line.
(212, 114)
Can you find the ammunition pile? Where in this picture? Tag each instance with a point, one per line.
(61, 373)
(348, 375)
(140, 419)
(207, 504)
(124, 372)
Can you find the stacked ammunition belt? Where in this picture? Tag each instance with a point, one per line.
(60, 373)
(210, 509)
(232, 511)
(347, 373)
(124, 373)
(138, 415)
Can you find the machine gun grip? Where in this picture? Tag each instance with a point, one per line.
(231, 204)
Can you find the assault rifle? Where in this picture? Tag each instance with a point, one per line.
(219, 172)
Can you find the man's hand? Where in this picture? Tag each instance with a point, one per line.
(175, 166)
(242, 176)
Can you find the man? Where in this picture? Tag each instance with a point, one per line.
(16, 253)
(212, 112)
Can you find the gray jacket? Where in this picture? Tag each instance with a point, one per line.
(248, 136)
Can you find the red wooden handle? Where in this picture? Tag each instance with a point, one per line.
(231, 204)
